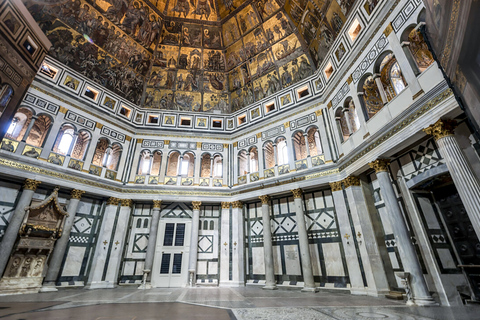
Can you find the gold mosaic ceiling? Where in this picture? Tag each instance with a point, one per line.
(192, 55)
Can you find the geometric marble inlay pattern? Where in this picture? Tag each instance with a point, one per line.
(205, 244)
(82, 225)
(320, 220)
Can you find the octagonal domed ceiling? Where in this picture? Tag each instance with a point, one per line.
(192, 55)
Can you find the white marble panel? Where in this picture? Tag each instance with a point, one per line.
(277, 260)
(315, 258)
(446, 258)
(202, 267)
(258, 261)
(84, 207)
(73, 263)
(8, 192)
(276, 208)
(292, 260)
(385, 222)
(252, 212)
(212, 267)
(129, 268)
(333, 259)
(309, 201)
(284, 205)
(428, 212)
(319, 202)
(328, 198)
(393, 259)
(139, 268)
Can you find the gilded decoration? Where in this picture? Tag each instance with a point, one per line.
(225, 205)
(265, 199)
(297, 193)
(157, 204)
(126, 202)
(351, 181)
(441, 129)
(31, 184)
(77, 194)
(380, 165)
(388, 30)
(196, 205)
(336, 186)
(112, 201)
(237, 204)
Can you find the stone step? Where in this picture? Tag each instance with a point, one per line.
(395, 295)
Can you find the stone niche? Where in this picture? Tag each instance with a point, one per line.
(41, 227)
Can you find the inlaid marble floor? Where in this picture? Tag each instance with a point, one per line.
(129, 303)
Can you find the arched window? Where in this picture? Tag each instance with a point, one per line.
(391, 76)
(81, 144)
(187, 165)
(422, 56)
(19, 124)
(65, 139)
(144, 163)
(100, 154)
(268, 155)
(212, 225)
(217, 166)
(139, 223)
(113, 158)
(172, 166)
(145, 223)
(299, 146)
(6, 93)
(314, 143)
(205, 165)
(371, 96)
(342, 124)
(242, 163)
(253, 159)
(282, 152)
(39, 131)
(156, 163)
(205, 225)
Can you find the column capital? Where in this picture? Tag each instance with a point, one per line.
(351, 181)
(126, 202)
(196, 205)
(31, 184)
(297, 193)
(237, 204)
(380, 165)
(112, 201)
(264, 199)
(77, 194)
(157, 204)
(336, 186)
(225, 205)
(441, 129)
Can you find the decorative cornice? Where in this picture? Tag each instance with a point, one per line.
(225, 205)
(31, 184)
(237, 204)
(351, 181)
(196, 205)
(297, 193)
(157, 204)
(380, 165)
(336, 186)
(265, 199)
(112, 201)
(126, 202)
(77, 194)
(441, 129)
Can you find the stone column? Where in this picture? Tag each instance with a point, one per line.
(22, 143)
(92, 146)
(192, 261)
(238, 237)
(346, 114)
(275, 153)
(152, 240)
(267, 244)
(372, 261)
(465, 181)
(10, 236)
(408, 54)
(346, 233)
(421, 295)
(381, 90)
(225, 245)
(324, 141)
(307, 270)
(61, 244)
(52, 134)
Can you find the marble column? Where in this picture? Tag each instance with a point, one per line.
(238, 237)
(408, 54)
(225, 245)
(357, 286)
(192, 261)
(270, 283)
(61, 244)
(381, 90)
(307, 270)
(10, 236)
(346, 114)
(22, 143)
(367, 242)
(421, 295)
(152, 240)
(52, 135)
(463, 177)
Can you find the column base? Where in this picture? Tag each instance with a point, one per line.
(146, 286)
(48, 288)
(423, 302)
(358, 291)
(274, 287)
(309, 289)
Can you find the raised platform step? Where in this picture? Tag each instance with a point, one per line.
(395, 295)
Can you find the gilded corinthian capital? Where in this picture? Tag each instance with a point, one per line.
(380, 165)
(237, 204)
(297, 193)
(225, 205)
(441, 129)
(112, 201)
(351, 181)
(126, 202)
(157, 204)
(196, 205)
(265, 199)
(31, 184)
(77, 194)
(336, 186)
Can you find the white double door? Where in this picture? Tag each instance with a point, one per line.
(170, 265)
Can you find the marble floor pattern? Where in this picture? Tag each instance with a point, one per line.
(248, 303)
